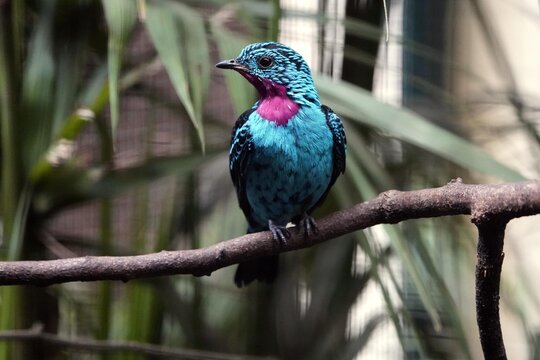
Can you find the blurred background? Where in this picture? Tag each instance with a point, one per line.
(115, 126)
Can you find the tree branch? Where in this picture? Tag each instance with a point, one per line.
(490, 208)
(488, 277)
(506, 200)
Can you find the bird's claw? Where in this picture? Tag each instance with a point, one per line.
(279, 233)
(310, 226)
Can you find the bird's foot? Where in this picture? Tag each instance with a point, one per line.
(310, 226)
(279, 233)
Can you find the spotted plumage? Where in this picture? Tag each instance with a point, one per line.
(286, 151)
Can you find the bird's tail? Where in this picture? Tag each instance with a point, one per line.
(264, 269)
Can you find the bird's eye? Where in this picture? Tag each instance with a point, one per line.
(265, 62)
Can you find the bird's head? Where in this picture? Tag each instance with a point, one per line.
(273, 68)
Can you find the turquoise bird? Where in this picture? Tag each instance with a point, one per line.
(286, 151)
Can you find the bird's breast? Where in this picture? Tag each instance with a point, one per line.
(304, 133)
(291, 166)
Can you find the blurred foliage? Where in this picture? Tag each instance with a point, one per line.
(64, 70)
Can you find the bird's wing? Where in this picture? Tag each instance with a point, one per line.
(338, 149)
(340, 142)
(239, 156)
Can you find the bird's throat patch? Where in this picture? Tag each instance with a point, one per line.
(275, 105)
(277, 109)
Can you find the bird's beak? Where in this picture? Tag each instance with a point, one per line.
(231, 64)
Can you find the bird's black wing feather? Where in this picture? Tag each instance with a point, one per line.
(338, 149)
(239, 156)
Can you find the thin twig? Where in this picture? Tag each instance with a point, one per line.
(110, 346)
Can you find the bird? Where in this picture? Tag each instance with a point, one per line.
(286, 151)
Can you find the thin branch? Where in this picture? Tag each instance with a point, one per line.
(110, 346)
(507, 200)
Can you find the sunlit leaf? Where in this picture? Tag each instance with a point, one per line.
(446, 299)
(414, 268)
(399, 243)
(360, 342)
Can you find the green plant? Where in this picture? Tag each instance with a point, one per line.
(64, 70)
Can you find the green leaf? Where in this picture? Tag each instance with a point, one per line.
(72, 63)
(357, 147)
(38, 85)
(8, 141)
(92, 101)
(165, 29)
(121, 16)
(69, 184)
(16, 238)
(360, 106)
(195, 53)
